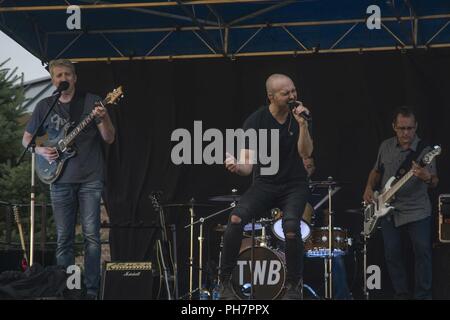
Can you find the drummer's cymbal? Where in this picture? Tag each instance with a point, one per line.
(327, 183)
(226, 198)
(186, 205)
(357, 211)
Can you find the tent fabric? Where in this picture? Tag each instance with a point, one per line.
(221, 28)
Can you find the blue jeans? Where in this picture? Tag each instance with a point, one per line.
(67, 198)
(419, 233)
(340, 286)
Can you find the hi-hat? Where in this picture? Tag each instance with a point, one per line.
(226, 198)
(186, 205)
(327, 183)
(357, 211)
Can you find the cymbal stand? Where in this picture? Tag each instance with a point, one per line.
(175, 260)
(365, 291)
(329, 260)
(191, 249)
(200, 239)
(252, 262)
(219, 270)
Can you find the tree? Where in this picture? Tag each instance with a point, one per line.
(11, 109)
(14, 180)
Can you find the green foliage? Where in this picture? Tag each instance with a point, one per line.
(11, 109)
(15, 180)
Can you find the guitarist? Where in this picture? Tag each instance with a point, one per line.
(396, 156)
(81, 181)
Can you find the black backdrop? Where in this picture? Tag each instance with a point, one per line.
(351, 97)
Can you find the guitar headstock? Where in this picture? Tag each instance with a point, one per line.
(430, 155)
(155, 197)
(114, 96)
(16, 214)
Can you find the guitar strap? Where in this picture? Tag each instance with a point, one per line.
(77, 107)
(407, 164)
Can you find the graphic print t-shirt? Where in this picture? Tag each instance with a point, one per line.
(87, 165)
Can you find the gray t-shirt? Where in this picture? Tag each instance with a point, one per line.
(411, 201)
(87, 164)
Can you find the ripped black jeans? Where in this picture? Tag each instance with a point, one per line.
(291, 198)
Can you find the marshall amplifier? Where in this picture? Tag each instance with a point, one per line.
(444, 218)
(127, 281)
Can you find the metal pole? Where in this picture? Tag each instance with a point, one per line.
(191, 254)
(200, 259)
(32, 202)
(330, 245)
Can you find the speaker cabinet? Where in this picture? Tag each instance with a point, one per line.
(127, 281)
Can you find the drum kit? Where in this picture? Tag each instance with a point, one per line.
(261, 248)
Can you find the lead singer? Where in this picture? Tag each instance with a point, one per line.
(286, 189)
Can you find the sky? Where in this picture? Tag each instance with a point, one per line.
(21, 58)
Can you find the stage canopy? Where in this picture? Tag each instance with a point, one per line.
(123, 30)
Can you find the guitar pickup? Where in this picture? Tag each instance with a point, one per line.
(61, 146)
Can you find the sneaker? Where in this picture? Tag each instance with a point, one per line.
(225, 290)
(293, 291)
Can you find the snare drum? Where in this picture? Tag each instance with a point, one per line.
(277, 230)
(317, 245)
(305, 229)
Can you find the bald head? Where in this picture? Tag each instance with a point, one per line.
(276, 81)
(280, 90)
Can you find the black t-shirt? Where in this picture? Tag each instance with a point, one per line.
(290, 164)
(87, 164)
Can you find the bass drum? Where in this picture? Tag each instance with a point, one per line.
(269, 274)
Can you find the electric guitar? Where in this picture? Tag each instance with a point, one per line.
(22, 239)
(49, 171)
(381, 203)
(164, 254)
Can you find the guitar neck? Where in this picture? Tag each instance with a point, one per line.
(83, 124)
(393, 190)
(19, 227)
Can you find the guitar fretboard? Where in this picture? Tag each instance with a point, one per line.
(83, 124)
(390, 193)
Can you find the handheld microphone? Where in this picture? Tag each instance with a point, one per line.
(64, 85)
(304, 115)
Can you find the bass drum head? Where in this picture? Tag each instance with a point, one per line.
(277, 230)
(269, 276)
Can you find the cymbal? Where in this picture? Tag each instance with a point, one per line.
(226, 198)
(186, 205)
(327, 183)
(358, 211)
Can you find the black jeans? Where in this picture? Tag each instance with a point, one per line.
(291, 198)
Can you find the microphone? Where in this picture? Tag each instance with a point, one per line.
(304, 115)
(64, 85)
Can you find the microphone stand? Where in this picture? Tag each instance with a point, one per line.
(252, 264)
(200, 240)
(32, 148)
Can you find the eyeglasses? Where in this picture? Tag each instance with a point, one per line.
(405, 128)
